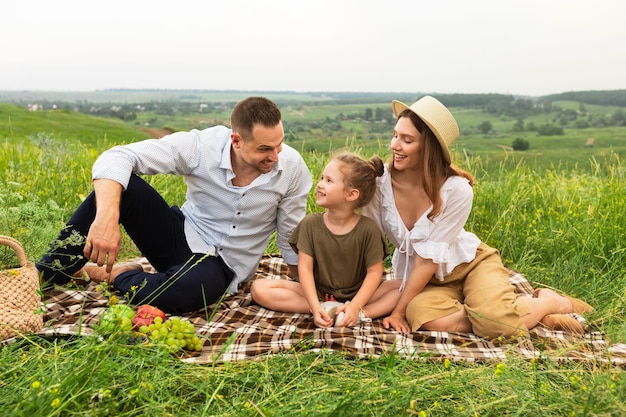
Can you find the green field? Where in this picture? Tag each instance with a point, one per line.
(556, 212)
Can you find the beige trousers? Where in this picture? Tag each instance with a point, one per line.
(481, 287)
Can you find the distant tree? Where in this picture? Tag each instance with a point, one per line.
(619, 118)
(520, 144)
(600, 121)
(581, 124)
(369, 113)
(550, 130)
(129, 116)
(485, 127)
(518, 126)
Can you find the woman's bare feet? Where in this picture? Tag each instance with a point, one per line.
(562, 303)
(563, 322)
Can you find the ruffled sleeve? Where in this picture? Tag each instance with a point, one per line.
(444, 239)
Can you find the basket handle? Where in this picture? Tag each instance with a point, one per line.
(17, 247)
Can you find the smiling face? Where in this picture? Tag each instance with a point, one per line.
(260, 151)
(331, 189)
(406, 145)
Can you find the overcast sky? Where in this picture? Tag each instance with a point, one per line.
(526, 47)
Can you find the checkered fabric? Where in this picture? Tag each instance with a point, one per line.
(237, 329)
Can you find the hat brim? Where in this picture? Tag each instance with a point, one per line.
(398, 107)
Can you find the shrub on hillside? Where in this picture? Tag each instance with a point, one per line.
(520, 144)
(550, 130)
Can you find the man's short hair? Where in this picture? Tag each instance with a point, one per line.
(251, 111)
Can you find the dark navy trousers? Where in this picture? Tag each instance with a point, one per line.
(185, 281)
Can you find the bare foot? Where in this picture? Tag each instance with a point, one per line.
(563, 322)
(562, 305)
(99, 274)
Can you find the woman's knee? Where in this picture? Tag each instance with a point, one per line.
(493, 324)
(455, 322)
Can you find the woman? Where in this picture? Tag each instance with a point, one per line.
(451, 280)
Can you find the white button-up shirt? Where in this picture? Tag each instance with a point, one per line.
(233, 222)
(444, 239)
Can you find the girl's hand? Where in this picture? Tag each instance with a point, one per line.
(321, 318)
(351, 314)
(397, 322)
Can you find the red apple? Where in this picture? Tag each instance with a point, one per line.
(145, 316)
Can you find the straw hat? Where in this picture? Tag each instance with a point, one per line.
(437, 117)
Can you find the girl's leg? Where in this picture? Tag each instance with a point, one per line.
(384, 299)
(279, 295)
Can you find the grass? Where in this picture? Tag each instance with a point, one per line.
(135, 381)
(562, 226)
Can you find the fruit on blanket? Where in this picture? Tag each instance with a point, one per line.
(145, 316)
(176, 334)
(149, 324)
(118, 317)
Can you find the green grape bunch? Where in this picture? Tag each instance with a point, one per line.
(149, 324)
(116, 319)
(175, 333)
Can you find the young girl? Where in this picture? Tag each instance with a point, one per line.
(340, 253)
(451, 280)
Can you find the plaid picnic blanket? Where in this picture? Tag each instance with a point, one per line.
(236, 329)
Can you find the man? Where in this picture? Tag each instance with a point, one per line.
(238, 194)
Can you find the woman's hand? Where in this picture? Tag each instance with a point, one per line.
(421, 272)
(397, 322)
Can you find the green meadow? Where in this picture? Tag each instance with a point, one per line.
(555, 210)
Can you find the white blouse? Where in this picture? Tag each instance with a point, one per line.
(443, 239)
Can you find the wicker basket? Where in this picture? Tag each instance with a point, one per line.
(20, 299)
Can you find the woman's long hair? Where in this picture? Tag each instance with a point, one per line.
(435, 168)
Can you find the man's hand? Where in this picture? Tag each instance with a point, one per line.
(103, 246)
(104, 238)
